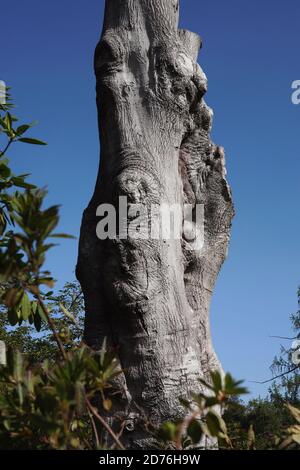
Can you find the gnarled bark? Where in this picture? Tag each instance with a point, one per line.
(150, 297)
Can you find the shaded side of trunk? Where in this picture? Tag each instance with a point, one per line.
(151, 297)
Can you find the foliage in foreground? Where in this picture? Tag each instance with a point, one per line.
(46, 407)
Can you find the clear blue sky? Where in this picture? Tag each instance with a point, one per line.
(250, 56)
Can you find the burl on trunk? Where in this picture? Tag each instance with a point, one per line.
(150, 297)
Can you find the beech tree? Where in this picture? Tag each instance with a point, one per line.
(150, 297)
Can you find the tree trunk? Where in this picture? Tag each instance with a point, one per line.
(150, 297)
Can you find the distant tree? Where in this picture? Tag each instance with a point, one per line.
(264, 416)
(270, 416)
(40, 346)
(286, 366)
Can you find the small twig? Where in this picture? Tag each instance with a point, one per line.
(52, 326)
(120, 433)
(283, 337)
(94, 429)
(104, 424)
(6, 148)
(276, 377)
(75, 300)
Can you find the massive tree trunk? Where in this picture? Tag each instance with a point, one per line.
(150, 297)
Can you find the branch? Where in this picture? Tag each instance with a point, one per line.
(283, 337)
(94, 429)
(52, 326)
(6, 148)
(104, 424)
(73, 303)
(277, 376)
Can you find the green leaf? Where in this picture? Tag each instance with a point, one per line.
(232, 387)
(22, 129)
(37, 322)
(67, 313)
(3, 124)
(211, 401)
(206, 384)
(8, 121)
(167, 432)
(195, 431)
(215, 424)
(4, 171)
(34, 306)
(13, 297)
(47, 281)
(18, 374)
(12, 317)
(216, 378)
(29, 140)
(25, 306)
(62, 235)
(185, 403)
(79, 397)
(40, 313)
(20, 183)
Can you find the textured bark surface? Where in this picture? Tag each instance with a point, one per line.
(151, 298)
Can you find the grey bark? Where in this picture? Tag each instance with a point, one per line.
(151, 298)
